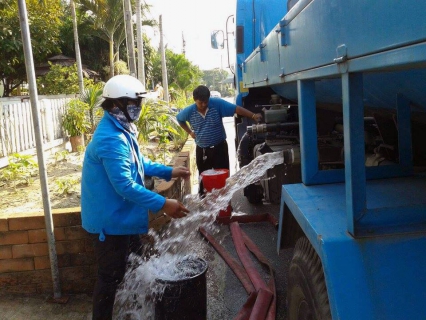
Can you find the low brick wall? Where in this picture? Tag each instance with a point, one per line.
(24, 256)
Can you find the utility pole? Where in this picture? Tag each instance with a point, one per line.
(163, 63)
(129, 36)
(183, 44)
(32, 84)
(77, 48)
(141, 60)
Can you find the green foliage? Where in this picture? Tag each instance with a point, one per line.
(145, 123)
(158, 122)
(74, 119)
(230, 92)
(120, 67)
(93, 50)
(60, 80)
(181, 73)
(162, 130)
(81, 149)
(45, 19)
(107, 23)
(212, 78)
(179, 136)
(180, 99)
(92, 96)
(61, 156)
(20, 170)
(66, 185)
(149, 53)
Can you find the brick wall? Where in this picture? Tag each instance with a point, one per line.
(24, 255)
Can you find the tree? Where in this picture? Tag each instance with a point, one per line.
(212, 78)
(181, 73)
(44, 38)
(150, 54)
(77, 47)
(60, 80)
(94, 50)
(107, 20)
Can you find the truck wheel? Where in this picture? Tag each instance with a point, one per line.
(307, 296)
(254, 193)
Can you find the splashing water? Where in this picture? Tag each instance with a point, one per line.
(139, 289)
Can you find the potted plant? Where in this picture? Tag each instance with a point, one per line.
(75, 122)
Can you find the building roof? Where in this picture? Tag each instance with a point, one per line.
(44, 68)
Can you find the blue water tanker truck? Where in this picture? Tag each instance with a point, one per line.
(341, 85)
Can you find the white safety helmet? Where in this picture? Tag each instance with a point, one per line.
(124, 86)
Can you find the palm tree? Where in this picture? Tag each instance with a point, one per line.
(92, 95)
(77, 47)
(108, 21)
(107, 17)
(183, 74)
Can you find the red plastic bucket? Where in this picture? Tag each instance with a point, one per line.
(216, 179)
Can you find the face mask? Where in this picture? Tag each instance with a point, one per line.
(134, 111)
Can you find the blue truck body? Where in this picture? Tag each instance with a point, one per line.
(359, 193)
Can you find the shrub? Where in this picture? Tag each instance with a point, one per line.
(20, 170)
(60, 80)
(74, 119)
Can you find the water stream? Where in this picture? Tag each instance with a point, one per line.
(136, 296)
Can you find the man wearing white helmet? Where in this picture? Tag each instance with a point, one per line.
(114, 200)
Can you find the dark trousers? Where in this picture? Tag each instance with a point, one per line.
(215, 157)
(111, 256)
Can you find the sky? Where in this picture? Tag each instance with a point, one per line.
(195, 19)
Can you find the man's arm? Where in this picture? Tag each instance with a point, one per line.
(188, 130)
(248, 114)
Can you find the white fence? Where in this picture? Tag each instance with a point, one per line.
(17, 129)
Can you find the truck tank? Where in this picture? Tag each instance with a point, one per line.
(341, 86)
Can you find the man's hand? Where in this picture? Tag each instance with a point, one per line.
(192, 134)
(257, 117)
(174, 209)
(181, 172)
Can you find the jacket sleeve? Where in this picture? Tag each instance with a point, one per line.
(156, 169)
(120, 163)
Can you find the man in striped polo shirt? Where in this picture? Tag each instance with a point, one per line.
(203, 122)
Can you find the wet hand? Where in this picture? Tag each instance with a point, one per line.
(174, 209)
(181, 172)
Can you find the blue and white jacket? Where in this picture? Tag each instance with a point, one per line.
(114, 200)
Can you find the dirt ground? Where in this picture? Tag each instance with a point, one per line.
(63, 176)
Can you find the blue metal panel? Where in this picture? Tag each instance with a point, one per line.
(258, 20)
(380, 89)
(322, 33)
(307, 129)
(353, 123)
(404, 133)
(372, 277)
(338, 175)
(324, 25)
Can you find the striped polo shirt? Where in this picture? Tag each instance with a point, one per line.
(209, 129)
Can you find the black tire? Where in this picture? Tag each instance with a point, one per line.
(307, 297)
(254, 193)
(255, 200)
